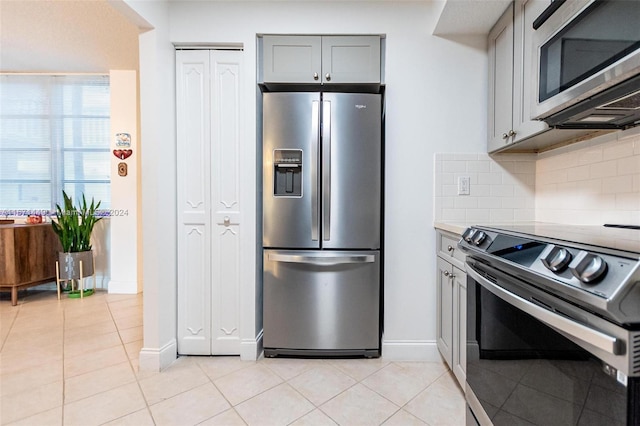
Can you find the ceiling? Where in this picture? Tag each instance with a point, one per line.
(65, 36)
(92, 36)
(461, 17)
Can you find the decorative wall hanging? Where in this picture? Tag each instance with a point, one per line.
(122, 169)
(122, 153)
(123, 140)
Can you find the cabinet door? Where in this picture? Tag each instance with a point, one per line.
(444, 311)
(460, 325)
(194, 205)
(208, 201)
(500, 82)
(291, 59)
(526, 11)
(447, 248)
(351, 59)
(226, 203)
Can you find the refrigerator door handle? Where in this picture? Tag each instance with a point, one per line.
(315, 129)
(322, 260)
(326, 170)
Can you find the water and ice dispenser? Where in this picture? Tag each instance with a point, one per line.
(287, 173)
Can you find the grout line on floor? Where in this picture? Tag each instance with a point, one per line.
(133, 369)
(13, 320)
(64, 378)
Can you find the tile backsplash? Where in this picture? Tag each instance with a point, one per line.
(590, 183)
(502, 188)
(595, 184)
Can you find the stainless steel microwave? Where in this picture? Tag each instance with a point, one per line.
(588, 64)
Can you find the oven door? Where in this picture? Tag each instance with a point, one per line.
(584, 47)
(530, 362)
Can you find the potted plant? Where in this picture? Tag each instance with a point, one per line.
(74, 226)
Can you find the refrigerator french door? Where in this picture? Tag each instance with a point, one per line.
(322, 223)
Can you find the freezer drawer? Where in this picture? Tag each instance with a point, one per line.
(321, 303)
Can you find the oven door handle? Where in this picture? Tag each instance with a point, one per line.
(578, 331)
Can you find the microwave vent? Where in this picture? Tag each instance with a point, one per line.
(629, 102)
(599, 118)
(617, 107)
(634, 352)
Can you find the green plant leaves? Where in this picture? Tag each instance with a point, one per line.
(75, 224)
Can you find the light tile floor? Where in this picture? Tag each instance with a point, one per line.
(75, 362)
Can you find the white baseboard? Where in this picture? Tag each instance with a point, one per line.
(410, 350)
(123, 287)
(251, 349)
(157, 359)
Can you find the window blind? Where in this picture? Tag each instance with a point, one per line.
(54, 135)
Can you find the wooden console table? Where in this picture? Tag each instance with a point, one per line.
(28, 255)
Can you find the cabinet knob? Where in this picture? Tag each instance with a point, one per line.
(327, 77)
(449, 274)
(449, 248)
(505, 136)
(315, 76)
(227, 221)
(512, 133)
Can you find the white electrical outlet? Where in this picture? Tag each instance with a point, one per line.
(464, 185)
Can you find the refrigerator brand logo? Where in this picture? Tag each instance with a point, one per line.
(361, 106)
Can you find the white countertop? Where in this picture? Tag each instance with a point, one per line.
(454, 227)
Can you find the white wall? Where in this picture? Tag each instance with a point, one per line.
(101, 246)
(158, 184)
(436, 98)
(436, 101)
(123, 250)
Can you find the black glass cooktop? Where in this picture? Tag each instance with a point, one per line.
(610, 237)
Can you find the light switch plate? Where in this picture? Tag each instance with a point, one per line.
(464, 185)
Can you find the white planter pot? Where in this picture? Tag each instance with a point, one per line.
(70, 264)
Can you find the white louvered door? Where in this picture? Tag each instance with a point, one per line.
(208, 142)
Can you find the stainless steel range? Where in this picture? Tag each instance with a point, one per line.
(553, 324)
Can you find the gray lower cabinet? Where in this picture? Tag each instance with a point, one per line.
(320, 59)
(459, 279)
(451, 293)
(444, 324)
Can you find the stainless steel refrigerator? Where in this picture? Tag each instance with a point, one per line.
(322, 216)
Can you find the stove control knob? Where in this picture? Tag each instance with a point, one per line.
(588, 267)
(557, 259)
(468, 234)
(478, 237)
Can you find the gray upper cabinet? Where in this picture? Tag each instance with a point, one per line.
(525, 12)
(511, 74)
(292, 59)
(351, 59)
(321, 59)
(500, 81)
